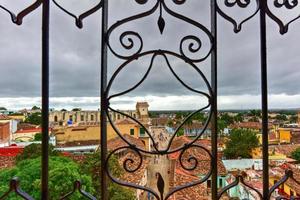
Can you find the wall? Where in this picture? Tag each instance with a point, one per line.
(284, 135)
(91, 133)
(4, 132)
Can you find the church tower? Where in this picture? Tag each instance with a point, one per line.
(142, 110)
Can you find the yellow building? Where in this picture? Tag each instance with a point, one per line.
(289, 188)
(18, 117)
(79, 135)
(284, 135)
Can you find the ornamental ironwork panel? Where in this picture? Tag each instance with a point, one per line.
(132, 43)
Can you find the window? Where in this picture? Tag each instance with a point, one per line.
(82, 118)
(142, 132)
(208, 184)
(220, 182)
(131, 131)
(92, 117)
(118, 117)
(64, 116)
(55, 118)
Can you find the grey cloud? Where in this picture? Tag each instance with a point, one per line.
(75, 54)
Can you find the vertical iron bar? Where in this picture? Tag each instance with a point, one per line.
(264, 97)
(104, 186)
(214, 124)
(45, 98)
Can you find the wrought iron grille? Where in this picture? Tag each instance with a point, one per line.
(128, 40)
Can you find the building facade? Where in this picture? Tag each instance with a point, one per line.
(79, 117)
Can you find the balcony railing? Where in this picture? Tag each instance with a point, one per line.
(130, 40)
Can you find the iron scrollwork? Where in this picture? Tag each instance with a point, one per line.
(283, 27)
(81, 17)
(133, 41)
(18, 19)
(15, 188)
(288, 4)
(241, 4)
(78, 187)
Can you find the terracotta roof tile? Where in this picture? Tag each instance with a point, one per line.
(199, 192)
(285, 149)
(118, 142)
(125, 121)
(137, 176)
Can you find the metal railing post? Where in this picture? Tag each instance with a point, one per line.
(104, 185)
(264, 97)
(45, 98)
(214, 124)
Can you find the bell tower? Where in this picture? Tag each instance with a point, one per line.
(142, 110)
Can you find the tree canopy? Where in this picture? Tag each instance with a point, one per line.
(34, 118)
(92, 166)
(3, 108)
(240, 144)
(35, 108)
(62, 174)
(34, 151)
(296, 154)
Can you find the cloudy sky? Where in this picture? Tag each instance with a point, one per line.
(75, 59)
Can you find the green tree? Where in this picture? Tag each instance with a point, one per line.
(92, 166)
(221, 126)
(227, 119)
(254, 119)
(76, 109)
(35, 108)
(296, 154)
(34, 151)
(180, 132)
(38, 137)
(34, 118)
(240, 144)
(3, 108)
(256, 113)
(281, 117)
(200, 117)
(238, 117)
(294, 118)
(62, 174)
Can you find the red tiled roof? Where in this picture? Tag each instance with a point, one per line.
(285, 149)
(249, 125)
(4, 117)
(31, 130)
(201, 155)
(137, 176)
(26, 126)
(118, 142)
(125, 121)
(198, 192)
(11, 151)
